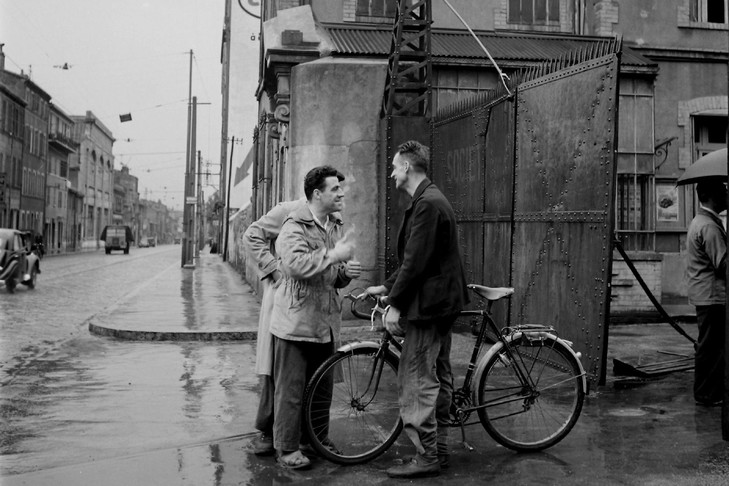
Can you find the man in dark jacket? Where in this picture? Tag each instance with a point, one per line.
(429, 289)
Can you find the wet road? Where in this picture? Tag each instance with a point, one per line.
(70, 290)
(89, 410)
(71, 397)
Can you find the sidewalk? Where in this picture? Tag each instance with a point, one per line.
(649, 433)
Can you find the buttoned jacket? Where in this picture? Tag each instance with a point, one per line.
(307, 305)
(429, 283)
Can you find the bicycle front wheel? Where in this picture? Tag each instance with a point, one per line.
(534, 396)
(351, 407)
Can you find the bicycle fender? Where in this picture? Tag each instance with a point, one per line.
(357, 345)
(517, 335)
(349, 347)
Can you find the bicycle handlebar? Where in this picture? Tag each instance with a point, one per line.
(377, 306)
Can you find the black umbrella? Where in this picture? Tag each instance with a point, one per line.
(711, 165)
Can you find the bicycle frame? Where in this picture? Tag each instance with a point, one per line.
(521, 373)
(504, 339)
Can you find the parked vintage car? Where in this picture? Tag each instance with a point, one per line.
(18, 262)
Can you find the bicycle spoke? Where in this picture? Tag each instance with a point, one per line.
(548, 400)
(362, 419)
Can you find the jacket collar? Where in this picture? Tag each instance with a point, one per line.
(303, 215)
(419, 192)
(712, 215)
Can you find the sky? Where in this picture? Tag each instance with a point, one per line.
(133, 56)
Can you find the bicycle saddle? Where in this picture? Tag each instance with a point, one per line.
(491, 293)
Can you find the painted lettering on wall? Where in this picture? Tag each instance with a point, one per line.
(461, 163)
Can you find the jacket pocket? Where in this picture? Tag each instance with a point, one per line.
(434, 296)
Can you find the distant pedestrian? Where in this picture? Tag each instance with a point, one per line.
(314, 256)
(259, 240)
(706, 272)
(429, 288)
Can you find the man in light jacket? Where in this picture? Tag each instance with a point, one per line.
(706, 271)
(306, 317)
(259, 240)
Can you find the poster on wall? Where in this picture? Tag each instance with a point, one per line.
(666, 202)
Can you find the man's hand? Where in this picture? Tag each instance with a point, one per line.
(352, 269)
(343, 249)
(392, 322)
(275, 276)
(374, 291)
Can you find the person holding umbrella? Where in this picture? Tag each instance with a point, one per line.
(706, 272)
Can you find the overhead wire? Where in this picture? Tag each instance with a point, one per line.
(502, 76)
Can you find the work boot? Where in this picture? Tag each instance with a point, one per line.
(416, 468)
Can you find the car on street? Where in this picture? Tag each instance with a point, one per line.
(19, 263)
(143, 243)
(117, 237)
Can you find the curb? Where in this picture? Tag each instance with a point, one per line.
(138, 335)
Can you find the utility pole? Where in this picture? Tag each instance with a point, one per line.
(190, 200)
(188, 173)
(225, 61)
(198, 221)
(227, 201)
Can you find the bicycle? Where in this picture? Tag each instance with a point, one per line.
(527, 389)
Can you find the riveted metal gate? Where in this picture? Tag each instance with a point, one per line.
(531, 178)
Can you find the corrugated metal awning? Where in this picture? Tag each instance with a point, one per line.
(458, 45)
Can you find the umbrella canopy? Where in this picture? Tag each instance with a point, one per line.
(710, 165)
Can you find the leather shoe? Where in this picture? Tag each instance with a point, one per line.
(416, 468)
(263, 445)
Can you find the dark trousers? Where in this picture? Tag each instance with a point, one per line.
(425, 385)
(709, 362)
(294, 362)
(264, 415)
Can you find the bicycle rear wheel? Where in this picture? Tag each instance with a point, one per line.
(351, 406)
(538, 413)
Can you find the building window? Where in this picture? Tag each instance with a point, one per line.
(635, 191)
(708, 11)
(376, 8)
(710, 133)
(533, 11)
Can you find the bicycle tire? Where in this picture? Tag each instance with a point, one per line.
(352, 428)
(517, 418)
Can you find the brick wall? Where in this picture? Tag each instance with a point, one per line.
(627, 294)
(606, 14)
(349, 10)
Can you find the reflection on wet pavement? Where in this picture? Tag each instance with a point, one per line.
(95, 399)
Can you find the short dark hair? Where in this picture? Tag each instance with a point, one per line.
(710, 189)
(417, 153)
(316, 179)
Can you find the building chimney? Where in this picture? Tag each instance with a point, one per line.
(2, 58)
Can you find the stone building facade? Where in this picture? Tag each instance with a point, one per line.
(12, 120)
(61, 224)
(92, 172)
(324, 65)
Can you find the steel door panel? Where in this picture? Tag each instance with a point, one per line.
(564, 184)
(542, 213)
